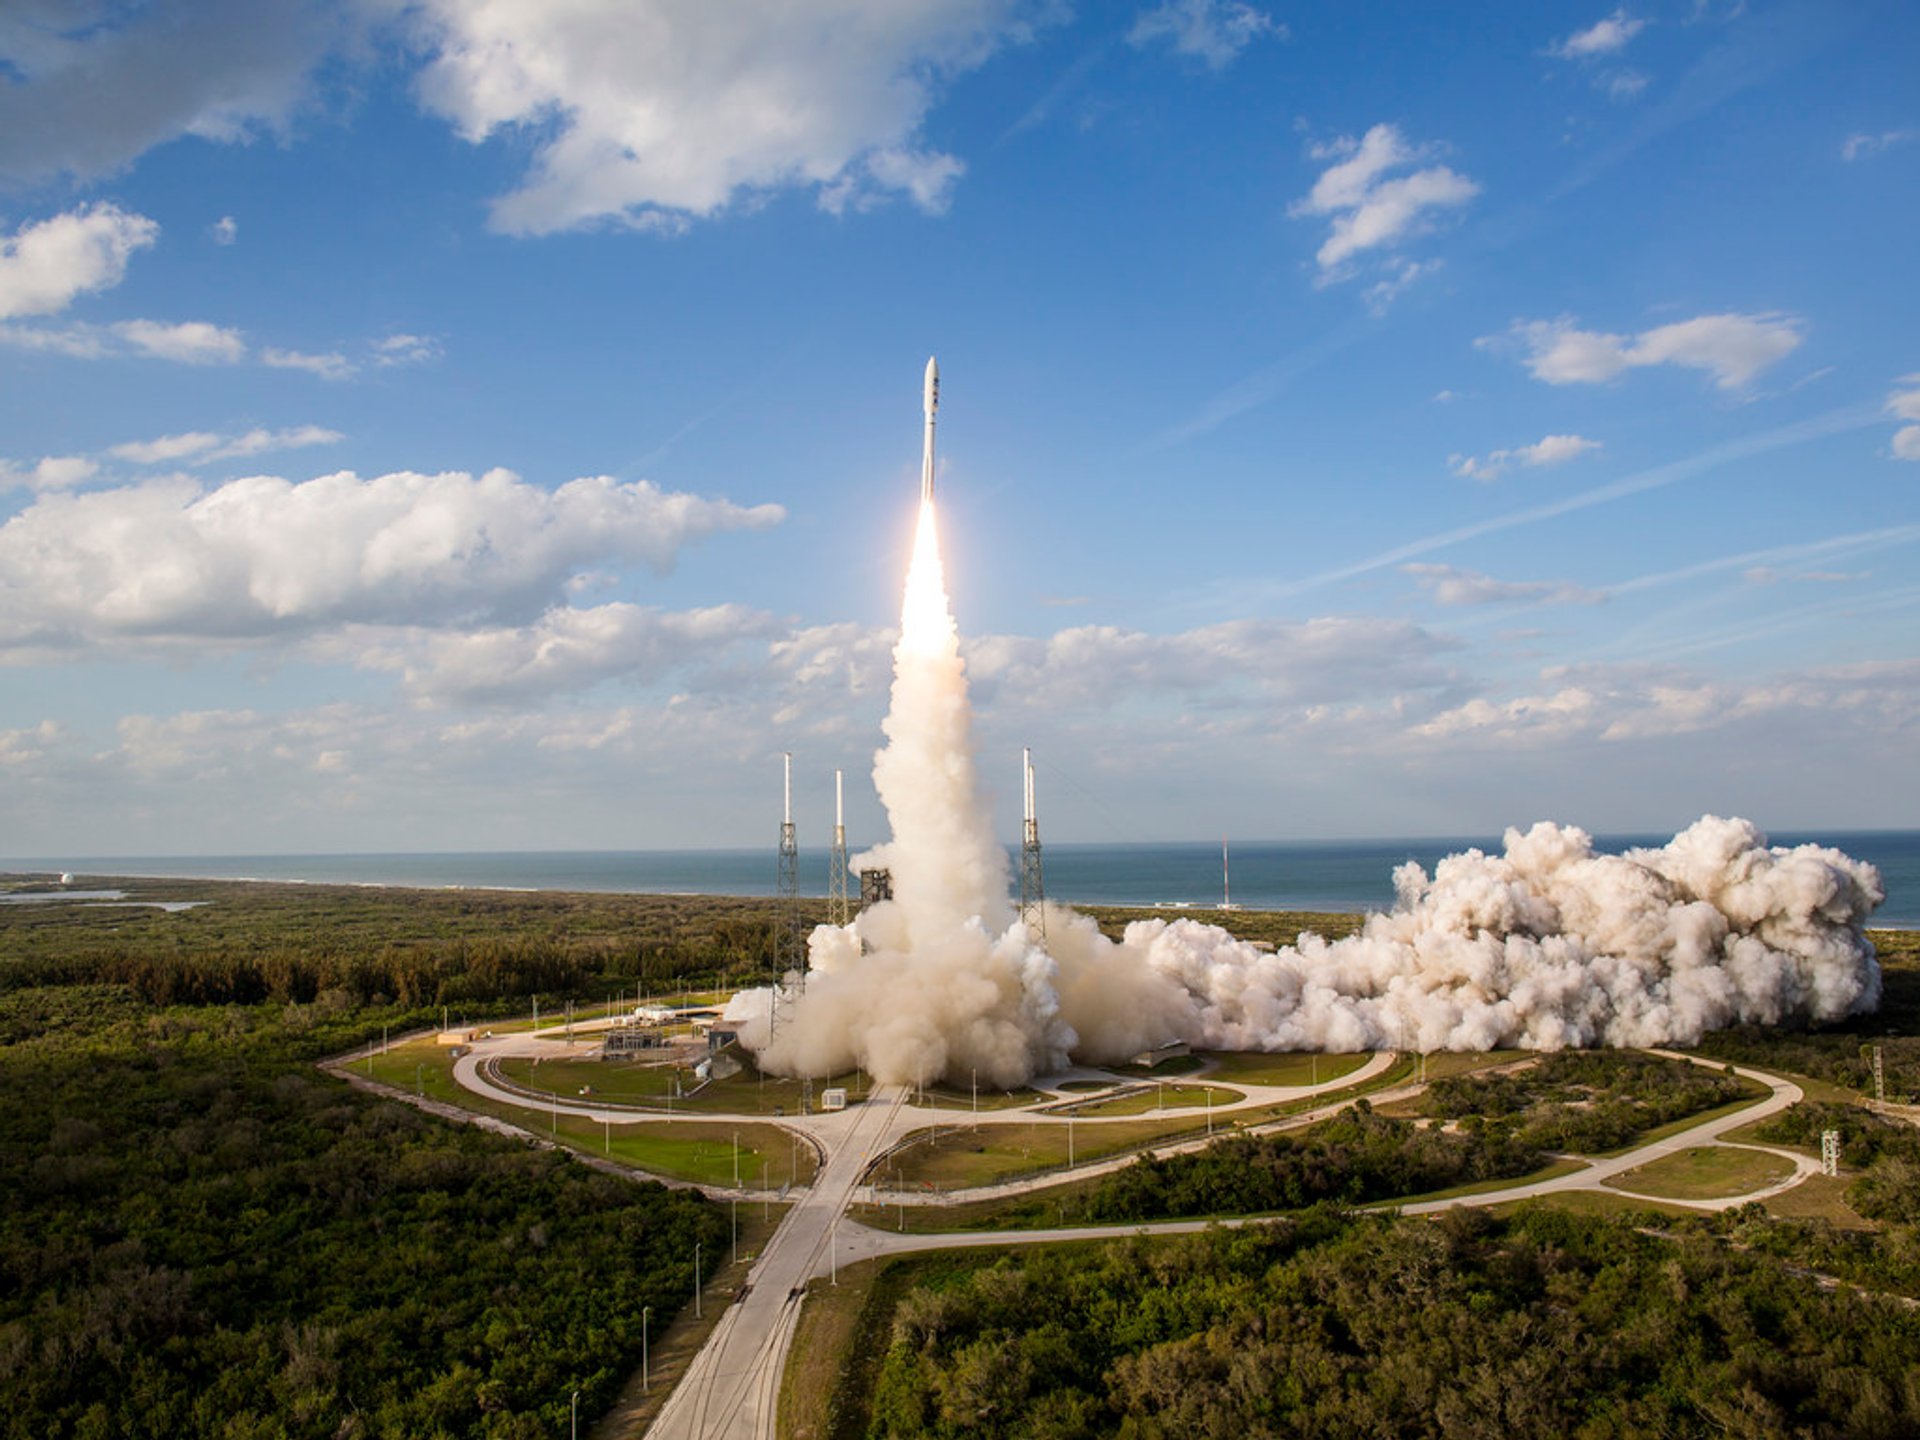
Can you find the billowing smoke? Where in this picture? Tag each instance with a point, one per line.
(1545, 946)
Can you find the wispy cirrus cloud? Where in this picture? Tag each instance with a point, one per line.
(1602, 38)
(1212, 31)
(201, 447)
(1450, 585)
(1863, 145)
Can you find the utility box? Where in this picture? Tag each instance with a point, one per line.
(833, 1098)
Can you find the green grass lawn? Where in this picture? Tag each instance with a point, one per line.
(1706, 1172)
(1253, 1068)
(1155, 1098)
(949, 1095)
(632, 1082)
(698, 1151)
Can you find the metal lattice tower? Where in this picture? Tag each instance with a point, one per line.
(1829, 1152)
(838, 909)
(789, 947)
(1033, 890)
(1879, 1076)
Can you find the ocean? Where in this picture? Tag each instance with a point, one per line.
(1350, 875)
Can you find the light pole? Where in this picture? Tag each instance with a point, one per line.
(735, 1204)
(736, 1159)
(646, 1376)
(976, 1097)
(696, 1279)
(1069, 1139)
(833, 1252)
(574, 1407)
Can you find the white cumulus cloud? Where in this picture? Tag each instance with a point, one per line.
(54, 472)
(1732, 348)
(1371, 206)
(46, 265)
(1213, 31)
(91, 84)
(1904, 404)
(1547, 451)
(565, 649)
(651, 112)
(328, 366)
(193, 342)
(264, 556)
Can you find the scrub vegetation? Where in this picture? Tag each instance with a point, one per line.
(1542, 1324)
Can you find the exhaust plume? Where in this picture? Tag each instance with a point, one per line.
(1544, 946)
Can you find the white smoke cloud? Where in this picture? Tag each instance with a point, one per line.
(1545, 946)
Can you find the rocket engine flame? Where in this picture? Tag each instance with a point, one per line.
(1544, 946)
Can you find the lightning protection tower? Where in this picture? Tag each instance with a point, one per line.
(1033, 890)
(838, 910)
(789, 950)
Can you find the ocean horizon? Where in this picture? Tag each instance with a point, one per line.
(1327, 875)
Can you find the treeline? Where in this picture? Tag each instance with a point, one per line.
(1545, 1324)
(205, 1237)
(245, 944)
(1356, 1157)
(1582, 1101)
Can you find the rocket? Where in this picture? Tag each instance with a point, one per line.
(932, 405)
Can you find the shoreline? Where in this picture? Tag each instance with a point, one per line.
(90, 882)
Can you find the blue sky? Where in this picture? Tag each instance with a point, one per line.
(495, 425)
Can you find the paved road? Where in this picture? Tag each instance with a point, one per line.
(733, 1385)
(1595, 1176)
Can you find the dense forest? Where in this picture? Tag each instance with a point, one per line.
(1544, 1324)
(206, 1236)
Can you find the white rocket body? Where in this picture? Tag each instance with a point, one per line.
(932, 405)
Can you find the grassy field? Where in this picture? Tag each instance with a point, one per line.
(628, 1082)
(1819, 1197)
(700, 1152)
(1249, 1068)
(1707, 1172)
(1159, 1097)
